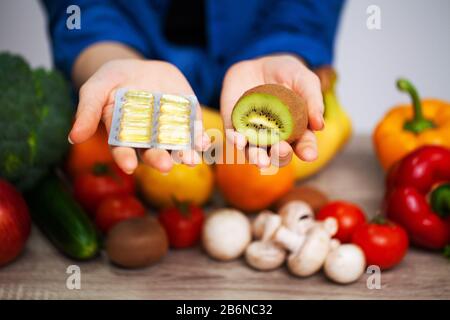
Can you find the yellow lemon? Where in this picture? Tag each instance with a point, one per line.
(183, 183)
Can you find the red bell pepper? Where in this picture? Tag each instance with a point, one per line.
(408, 185)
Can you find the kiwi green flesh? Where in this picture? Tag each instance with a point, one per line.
(263, 119)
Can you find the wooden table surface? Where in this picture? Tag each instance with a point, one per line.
(40, 272)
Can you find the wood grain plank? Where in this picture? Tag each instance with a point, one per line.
(40, 272)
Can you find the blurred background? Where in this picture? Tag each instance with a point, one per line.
(413, 42)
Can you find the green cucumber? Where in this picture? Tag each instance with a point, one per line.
(62, 220)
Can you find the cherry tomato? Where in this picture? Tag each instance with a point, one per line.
(348, 216)
(183, 224)
(101, 182)
(384, 243)
(118, 208)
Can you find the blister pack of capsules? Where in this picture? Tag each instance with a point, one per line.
(143, 119)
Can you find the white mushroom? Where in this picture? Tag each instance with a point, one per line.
(297, 216)
(226, 234)
(345, 264)
(265, 255)
(286, 231)
(265, 225)
(312, 254)
(288, 239)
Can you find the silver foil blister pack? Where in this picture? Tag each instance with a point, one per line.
(143, 119)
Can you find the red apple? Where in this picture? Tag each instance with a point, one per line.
(15, 222)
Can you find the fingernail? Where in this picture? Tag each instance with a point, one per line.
(206, 145)
(165, 171)
(309, 154)
(129, 169)
(264, 161)
(70, 140)
(321, 121)
(283, 154)
(241, 143)
(130, 166)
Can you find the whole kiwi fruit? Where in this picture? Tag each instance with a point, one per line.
(270, 113)
(136, 242)
(312, 196)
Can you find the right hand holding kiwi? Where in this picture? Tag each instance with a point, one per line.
(272, 101)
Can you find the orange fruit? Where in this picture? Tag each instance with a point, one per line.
(82, 156)
(184, 183)
(246, 188)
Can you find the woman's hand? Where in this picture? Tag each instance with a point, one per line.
(286, 70)
(96, 101)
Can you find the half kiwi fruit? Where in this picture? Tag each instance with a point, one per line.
(270, 113)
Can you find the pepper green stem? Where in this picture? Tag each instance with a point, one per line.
(183, 206)
(418, 123)
(440, 200)
(100, 169)
(103, 169)
(447, 251)
(379, 219)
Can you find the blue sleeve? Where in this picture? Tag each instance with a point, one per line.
(101, 20)
(306, 28)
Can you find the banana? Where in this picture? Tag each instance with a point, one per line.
(330, 140)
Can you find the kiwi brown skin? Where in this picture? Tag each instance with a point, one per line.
(295, 104)
(312, 196)
(136, 242)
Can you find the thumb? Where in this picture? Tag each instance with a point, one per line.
(93, 96)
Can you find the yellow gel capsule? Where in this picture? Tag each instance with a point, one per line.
(139, 96)
(136, 107)
(138, 115)
(138, 123)
(174, 141)
(171, 98)
(133, 138)
(174, 108)
(168, 118)
(133, 134)
(173, 127)
(178, 142)
(144, 117)
(136, 130)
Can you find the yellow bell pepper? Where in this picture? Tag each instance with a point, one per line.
(332, 138)
(405, 128)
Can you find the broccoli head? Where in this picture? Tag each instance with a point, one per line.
(35, 118)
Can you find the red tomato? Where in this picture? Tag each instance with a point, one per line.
(101, 182)
(15, 222)
(384, 244)
(348, 216)
(183, 224)
(115, 209)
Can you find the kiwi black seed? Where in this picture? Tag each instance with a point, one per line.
(270, 113)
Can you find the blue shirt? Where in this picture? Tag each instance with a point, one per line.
(235, 30)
